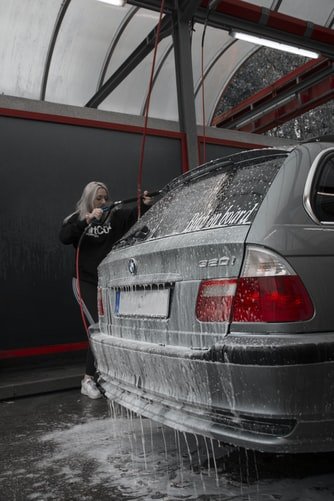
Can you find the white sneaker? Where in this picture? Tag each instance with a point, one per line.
(89, 388)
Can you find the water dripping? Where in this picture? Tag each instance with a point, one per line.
(240, 471)
(208, 456)
(112, 410)
(143, 440)
(247, 466)
(133, 415)
(190, 461)
(214, 462)
(177, 439)
(247, 472)
(200, 464)
(165, 443)
(131, 436)
(129, 417)
(188, 450)
(256, 474)
(151, 436)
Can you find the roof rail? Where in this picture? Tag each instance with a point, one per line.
(319, 139)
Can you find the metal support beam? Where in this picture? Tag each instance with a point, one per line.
(305, 88)
(61, 14)
(185, 85)
(137, 56)
(256, 20)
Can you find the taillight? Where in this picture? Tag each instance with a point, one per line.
(214, 300)
(100, 307)
(271, 299)
(268, 290)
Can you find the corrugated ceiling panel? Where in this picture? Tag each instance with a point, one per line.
(25, 32)
(135, 32)
(86, 34)
(131, 94)
(214, 43)
(164, 94)
(218, 78)
(82, 45)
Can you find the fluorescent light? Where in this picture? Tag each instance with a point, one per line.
(117, 3)
(274, 45)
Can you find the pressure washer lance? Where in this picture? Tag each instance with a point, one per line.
(127, 201)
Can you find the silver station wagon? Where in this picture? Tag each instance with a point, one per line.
(216, 310)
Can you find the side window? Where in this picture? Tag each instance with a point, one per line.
(323, 192)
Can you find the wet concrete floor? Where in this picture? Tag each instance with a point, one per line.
(64, 446)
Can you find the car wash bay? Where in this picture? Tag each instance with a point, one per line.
(56, 443)
(47, 160)
(62, 445)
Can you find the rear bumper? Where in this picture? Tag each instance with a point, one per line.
(273, 350)
(230, 392)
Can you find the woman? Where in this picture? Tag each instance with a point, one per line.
(107, 228)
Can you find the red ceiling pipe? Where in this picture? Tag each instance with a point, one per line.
(280, 87)
(253, 14)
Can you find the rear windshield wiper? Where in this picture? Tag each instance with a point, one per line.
(140, 234)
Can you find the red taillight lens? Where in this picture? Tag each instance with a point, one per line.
(100, 308)
(271, 299)
(214, 300)
(268, 290)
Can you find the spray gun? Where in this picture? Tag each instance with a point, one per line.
(129, 200)
(108, 208)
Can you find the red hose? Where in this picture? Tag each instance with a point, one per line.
(203, 155)
(77, 254)
(146, 110)
(203, 159)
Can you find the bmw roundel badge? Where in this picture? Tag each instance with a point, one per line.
(132, 266)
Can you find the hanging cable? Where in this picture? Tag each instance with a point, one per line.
(77, 272)
(146, 111)
(77, 260)
(203, 155)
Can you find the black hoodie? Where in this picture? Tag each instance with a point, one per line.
(98, 240)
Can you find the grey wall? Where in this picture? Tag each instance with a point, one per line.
(44, 167)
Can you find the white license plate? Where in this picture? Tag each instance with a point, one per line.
(143, 303)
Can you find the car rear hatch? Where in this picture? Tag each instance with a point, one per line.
(162, 282)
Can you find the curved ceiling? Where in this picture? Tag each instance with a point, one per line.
(64, 51)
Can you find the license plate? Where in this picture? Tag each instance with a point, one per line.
(143, 303)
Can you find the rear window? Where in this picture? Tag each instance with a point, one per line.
(229, 197)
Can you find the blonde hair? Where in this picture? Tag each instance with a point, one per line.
(86, 202)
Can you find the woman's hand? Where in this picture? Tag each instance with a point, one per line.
(147, 200)
(95, 214)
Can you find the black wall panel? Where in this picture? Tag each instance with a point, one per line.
(213, 151)
(44, 167)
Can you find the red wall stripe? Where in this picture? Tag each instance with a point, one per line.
(42, 350)
(84, 122)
